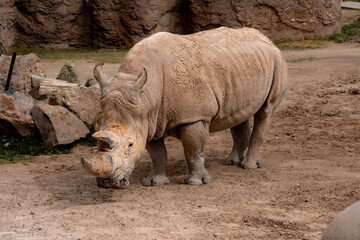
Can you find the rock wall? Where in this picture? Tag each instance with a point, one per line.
(55, 23)
(122, 23)
(7, 16)
(277, 19)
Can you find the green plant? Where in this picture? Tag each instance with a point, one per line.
(89, 140)
(19, 149)
(294, 47)
(347, 32)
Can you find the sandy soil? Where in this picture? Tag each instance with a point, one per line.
(311, 173)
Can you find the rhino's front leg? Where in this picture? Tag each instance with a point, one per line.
(193, 137)
(158, 154)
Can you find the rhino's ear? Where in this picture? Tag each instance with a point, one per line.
(100, 75)
(106, 140)
(139, 85)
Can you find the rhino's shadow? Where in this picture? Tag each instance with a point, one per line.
(72, 185)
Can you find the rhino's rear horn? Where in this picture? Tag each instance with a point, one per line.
(100, 75)
(106, 140)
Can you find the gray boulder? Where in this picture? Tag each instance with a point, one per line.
(345, 226)
(57, 125)
(68, 73)
(15, 118)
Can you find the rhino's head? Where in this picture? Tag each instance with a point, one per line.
(122, 127)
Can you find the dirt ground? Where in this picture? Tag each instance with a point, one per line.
(311, 173)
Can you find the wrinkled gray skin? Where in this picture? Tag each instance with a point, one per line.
(345, 226)
(186, 87)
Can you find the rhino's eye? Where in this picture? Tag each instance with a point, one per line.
(130, 145)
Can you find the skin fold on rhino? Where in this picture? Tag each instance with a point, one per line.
(186, 86)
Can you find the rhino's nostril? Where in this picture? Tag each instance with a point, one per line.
(109, 158)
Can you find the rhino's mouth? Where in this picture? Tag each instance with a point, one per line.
(112, 183)
(117, 180)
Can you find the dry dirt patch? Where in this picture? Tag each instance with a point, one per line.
(311, 173)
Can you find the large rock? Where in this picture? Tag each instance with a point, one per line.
(83, 101)
(15, 118)
(122, 23)
(275, 18)
(24, 67)
(345, 226)
(57, 125)
(68, 73)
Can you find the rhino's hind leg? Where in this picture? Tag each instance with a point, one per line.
(158, 154)
(263, 115)
(261, 123)
(193, 137)
(241, 137)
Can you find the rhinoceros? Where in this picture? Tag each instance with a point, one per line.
(345, 226)
(186, 86)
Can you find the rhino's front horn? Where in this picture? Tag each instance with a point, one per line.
(100, 165)
(87, 165)
(100, 75)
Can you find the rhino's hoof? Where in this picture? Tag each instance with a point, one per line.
(234, 162)
(233, 159)
(155, 180)
(198, 181)
(251, 164)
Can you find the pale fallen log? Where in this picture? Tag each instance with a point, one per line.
(50, 86)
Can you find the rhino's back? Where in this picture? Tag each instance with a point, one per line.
(222, 75)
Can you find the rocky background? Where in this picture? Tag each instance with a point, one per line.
(61, 109)
(122, 23)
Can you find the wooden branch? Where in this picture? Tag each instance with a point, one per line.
(50, 86)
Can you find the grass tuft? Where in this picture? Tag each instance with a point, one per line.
(299, 60)
(295, 47)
